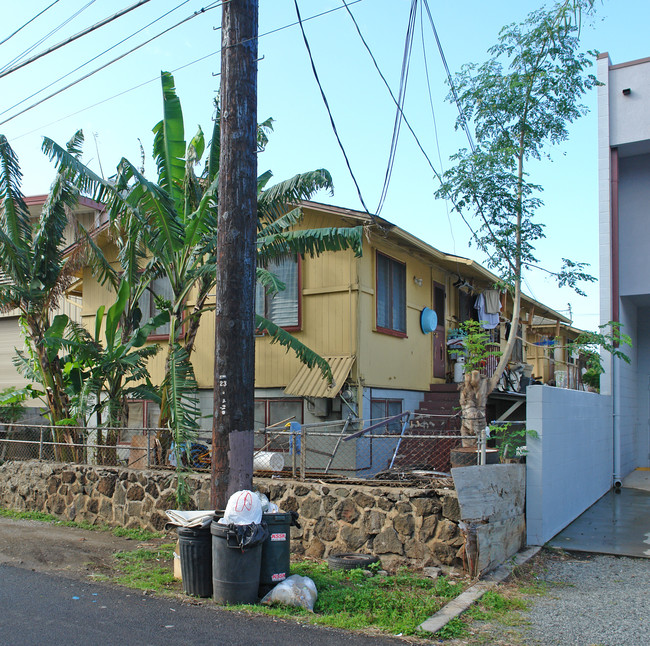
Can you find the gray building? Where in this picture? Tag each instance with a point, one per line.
(624, 216)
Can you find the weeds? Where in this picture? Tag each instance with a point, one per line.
(135, 534)
(146, 569)
(354, 599)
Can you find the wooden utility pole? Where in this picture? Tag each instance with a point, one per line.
(234, 367)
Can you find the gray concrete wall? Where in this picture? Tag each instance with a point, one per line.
(634, 224)
(642, 448)
(569, 466)
(629, 113)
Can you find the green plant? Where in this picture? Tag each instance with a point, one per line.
(135, 534)
(476, 341)
(587, 344)
(352, 599)
(454, 629)
(511, 439)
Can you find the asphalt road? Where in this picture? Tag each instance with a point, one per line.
(42, 608)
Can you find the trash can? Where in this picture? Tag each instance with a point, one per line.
(275, 551)
(195, 546)
(235, 568)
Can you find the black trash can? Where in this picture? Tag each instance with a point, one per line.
(195, 545)
(235, 570)
(275, 551)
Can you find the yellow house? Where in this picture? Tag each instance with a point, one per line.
(364, 315)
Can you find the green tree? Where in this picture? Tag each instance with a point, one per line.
(519, 104)
(168, 229)
(37, 273)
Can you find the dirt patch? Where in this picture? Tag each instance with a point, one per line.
(46, 547)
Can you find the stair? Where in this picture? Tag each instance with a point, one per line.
(442, 400)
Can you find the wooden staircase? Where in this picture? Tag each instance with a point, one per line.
(443, 402)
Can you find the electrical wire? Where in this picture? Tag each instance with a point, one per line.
(181, 67)
(468, 133)
(71, 39)
(435, 125)
(327, 107)
(124, 55)
(401, 98)
(76, 69)
(44, 38)
(406, 121)
(40, 13)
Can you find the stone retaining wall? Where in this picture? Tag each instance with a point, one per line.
(403, 526)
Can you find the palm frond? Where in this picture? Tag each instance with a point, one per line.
(164, 229)
(286, 221)
(169, 143)
(288, 341)
(309, 241)
(14, 219)
(273, 201)
(271, 283)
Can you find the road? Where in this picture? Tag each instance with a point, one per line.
(43, 608)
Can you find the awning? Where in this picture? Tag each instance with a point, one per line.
(309, 382)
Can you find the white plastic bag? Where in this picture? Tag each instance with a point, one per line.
(294, 591)
(243, 508)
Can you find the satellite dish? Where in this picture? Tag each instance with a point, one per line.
(428, 320)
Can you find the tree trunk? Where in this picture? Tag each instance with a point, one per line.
(234, 370)
(473, 398)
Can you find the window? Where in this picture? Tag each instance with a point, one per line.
(281, 308)
(161, 287)
(275, 411)
(383, 408)
(391, 295)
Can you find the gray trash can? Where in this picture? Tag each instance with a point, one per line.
(235, 562)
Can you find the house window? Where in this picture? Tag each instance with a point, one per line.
(391, 295)
(281, 308)
(275, 411)
(160, 287)
(383, 408)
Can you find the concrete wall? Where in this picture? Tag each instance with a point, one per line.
(634, 224)
(569, 466)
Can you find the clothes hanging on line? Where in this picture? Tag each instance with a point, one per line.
(492, 301)
(488, 321)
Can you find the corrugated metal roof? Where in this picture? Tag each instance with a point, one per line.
(309, 382)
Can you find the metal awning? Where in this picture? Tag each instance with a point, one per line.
(309, 382)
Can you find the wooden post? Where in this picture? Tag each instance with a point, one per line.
(234, 368)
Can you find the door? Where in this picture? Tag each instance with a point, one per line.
(439, 341)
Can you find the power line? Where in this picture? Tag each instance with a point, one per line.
(157, 78)
(76, 36)
(44, 38)
(40, 13)
(435, 125)
(76, 69)
(327, 107)
(98, 69)
(403, 81)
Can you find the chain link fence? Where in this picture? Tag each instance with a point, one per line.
(403, 447)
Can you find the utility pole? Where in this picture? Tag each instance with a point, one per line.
(234, 367)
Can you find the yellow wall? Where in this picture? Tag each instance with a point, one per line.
(338, 313)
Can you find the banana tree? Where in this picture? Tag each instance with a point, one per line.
(175, 219)
(36, 272)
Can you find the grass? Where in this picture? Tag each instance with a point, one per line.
(135, 534)
(146, 568)
(351, 599)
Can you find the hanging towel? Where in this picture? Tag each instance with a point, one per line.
(492, 301)
(488, 321)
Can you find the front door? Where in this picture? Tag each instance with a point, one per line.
(439, 342)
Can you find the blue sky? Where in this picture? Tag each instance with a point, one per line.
(303, 139)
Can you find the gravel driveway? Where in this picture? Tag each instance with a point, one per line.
(587, 600)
